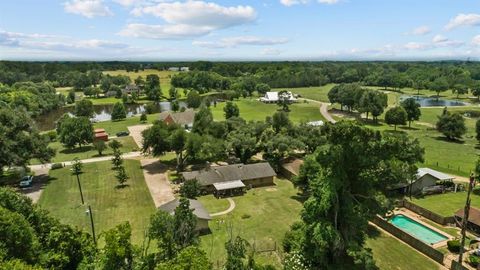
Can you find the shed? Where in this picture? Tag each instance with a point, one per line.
(198, 210)
(291, 167)
(473, 219)
(425, 177)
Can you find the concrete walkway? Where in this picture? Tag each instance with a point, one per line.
(157, 181)
(230, 209)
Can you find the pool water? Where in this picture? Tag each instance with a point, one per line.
(417, 230)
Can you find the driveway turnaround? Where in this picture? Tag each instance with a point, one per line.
(136, 133)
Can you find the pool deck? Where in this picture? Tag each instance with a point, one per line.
(418, 218)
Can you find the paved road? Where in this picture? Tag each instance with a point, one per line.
(323, 110)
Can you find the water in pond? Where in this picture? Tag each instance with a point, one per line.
(101, 113)
(432, 101)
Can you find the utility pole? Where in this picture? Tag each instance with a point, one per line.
(466, 213)
(77, 170)
(90, 213)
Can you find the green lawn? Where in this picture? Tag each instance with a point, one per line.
(212, 204)
(271, 211)
(165, 76)
(112, 127)
(110, 205)
(252, 109)
(113, 100)
(446, 204)
(88, 151)
(392, 254)
(318, 93)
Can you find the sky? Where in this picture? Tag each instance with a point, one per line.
(175, 30)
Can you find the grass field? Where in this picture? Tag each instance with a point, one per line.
(392, 254)
(112, 127)
(164, 75)
(270, 210)
(252, 109)
(318, 93)
(110, 205)
(88, 151)
(446, 204)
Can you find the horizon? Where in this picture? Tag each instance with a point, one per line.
(220, 30)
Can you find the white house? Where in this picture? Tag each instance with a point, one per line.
(272, 97)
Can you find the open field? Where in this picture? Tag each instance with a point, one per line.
(316, 93)
(252, 109)
(87, 151)
(112, 127)
(446, 204)
(270, 210)
(457, 157)
(110, 205)
(164, 75)
(392, 254)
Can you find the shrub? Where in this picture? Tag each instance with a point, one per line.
(57, 166)
(474, 260)
(245, 216)
(453, 246)
(150, 108)
(476, 190)
(51, 135)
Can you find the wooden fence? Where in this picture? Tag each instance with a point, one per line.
(410, 240)
(427, 213)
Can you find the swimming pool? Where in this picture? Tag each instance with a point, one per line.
(417, 230)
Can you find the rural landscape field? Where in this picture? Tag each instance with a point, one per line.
(239, 135)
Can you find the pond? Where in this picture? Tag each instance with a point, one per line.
(101, 113)
(433, 102)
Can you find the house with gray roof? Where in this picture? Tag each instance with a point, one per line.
(424, 178)
(222, 180)
(198, 210)
(184, 119)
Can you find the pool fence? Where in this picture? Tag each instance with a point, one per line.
(410, 240)
(427, 213)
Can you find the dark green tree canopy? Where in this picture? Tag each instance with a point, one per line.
(231, 110)
(118, 111)
(452, 125)
(84, 108)
(412, 108)
(347, 188)
(396, 116)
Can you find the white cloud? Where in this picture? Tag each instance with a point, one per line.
(87, 8)
(476, 40)
(471, 19)
(293, 2)
(169, 31)
(270, 51)
(442, 41)
(188, 19)
(439, 39)
(128, 3)
(421, 30)
(416, 46)
(330, 2)
(241, 40)
(289, 3)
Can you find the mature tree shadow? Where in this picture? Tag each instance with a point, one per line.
(122, 186)
(82, 149)
(39, 182)
(389, 131)
(372, 232)
(408, 128)
(445, 139)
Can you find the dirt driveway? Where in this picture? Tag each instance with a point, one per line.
(157, 181)
(136, 133)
